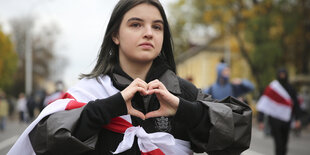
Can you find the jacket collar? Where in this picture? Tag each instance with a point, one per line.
(168, 78)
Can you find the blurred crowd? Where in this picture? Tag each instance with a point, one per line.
(26, 108)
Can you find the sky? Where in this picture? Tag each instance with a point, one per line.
(82, 26)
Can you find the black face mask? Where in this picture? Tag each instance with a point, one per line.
(283, 80)
(282, 76)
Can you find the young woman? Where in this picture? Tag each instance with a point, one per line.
(133, 102)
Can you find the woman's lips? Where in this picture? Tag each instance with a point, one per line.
(146, 45)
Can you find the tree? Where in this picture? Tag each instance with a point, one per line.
(8, 62)
(278, 34)
(296, 33)
(227, 17)
(188, 28)
(269, 33)
(43, 46)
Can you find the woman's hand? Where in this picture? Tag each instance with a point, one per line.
(128, 93)
(168, 102)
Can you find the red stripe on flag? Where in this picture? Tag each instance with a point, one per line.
(272, 94)
(118, 125)
(72, 104)
(67, 96)
(154, 152)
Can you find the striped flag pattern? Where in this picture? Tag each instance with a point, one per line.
(276, 102)
(157, 143)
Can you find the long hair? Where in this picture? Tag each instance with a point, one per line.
(109, 57)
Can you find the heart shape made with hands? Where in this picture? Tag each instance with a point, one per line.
(168, 102)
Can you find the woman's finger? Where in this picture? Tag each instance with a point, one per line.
(137, 85)
(159, 93)
(156, 84)
(157, 113)
(154, 81)
(141, 90)
(140, 83)
(168, 102)
(136, 113)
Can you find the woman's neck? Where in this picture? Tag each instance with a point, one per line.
(136, 70)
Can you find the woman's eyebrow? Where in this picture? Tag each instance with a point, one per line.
(158, 21)
(135, 19)
(141, 20)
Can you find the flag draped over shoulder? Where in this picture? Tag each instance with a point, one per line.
(276, 102)
(86, 90)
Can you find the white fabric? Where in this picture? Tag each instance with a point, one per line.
(182, 147)
(276, 86)
(87, 90)
(149, 142)
(276, 110)
(270, 107)
(23, 145)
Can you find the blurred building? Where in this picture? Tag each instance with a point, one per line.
(199, 62)
(48, 85)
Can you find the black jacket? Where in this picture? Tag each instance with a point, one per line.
(216, 128)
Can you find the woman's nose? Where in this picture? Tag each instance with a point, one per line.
(148, 32)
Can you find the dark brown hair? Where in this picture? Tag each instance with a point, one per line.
(108, 56)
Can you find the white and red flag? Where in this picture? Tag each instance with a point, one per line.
(158, 143)
(276, 102)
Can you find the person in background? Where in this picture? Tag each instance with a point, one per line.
(31, 105)
(59, 92)
(279, 101)
(4, 110)
(40, 98)
(223, 87)
(12, 103)
(22, 107)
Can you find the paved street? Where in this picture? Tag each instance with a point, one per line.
(260, 144)
(10, 135)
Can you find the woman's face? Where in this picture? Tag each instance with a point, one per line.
(140, 36)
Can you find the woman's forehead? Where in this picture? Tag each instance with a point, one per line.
(143, 11)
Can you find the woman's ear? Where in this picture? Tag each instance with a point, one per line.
(115, 39)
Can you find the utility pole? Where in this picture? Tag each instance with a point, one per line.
(28, 59)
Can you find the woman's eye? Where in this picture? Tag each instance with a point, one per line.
(135, 25)
(157, 27)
